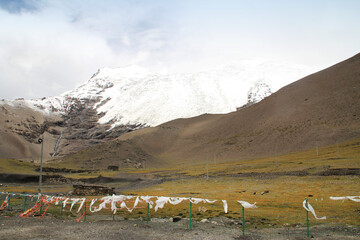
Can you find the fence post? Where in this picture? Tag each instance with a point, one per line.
(25, 204)
(61, 210)
(243, 221)
(85, 212)
(190, 212)
(147, 215)
(113, 215)
(307, 218)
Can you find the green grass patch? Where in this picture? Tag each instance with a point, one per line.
(16, 166)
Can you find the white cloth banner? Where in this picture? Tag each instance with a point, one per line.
(101, 205)
(176, 200)
(352, 198)
(123, 204)
(74, 201)
(311, 209)
(65, 201)
(121, 198)
(199, 200)
(82, 203)
(147, 200)
(225, 206)
(159, 203)
(112, 200)
(247, 205)
(91, 204)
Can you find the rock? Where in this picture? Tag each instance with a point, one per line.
(159, 220)
(202, 209)
(113, 168)
(205, 221)
(138, 165)
(175, 219)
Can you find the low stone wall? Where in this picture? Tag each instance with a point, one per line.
(91, 190)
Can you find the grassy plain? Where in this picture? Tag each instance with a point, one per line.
(277, 184)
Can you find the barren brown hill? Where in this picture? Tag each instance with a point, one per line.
(20, 128)
(320, 109)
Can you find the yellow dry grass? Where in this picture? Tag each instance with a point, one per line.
(283, 202)
(90, 174)
(279, 197)
(16, 166)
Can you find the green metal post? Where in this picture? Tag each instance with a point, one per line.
(190, 212)
(85, 212)
(41, 140)
(243, 221)
(307, 218)
(147, 216)
(61, 211)
(113, 215)
(25, 204)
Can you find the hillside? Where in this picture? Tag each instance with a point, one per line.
(320, 109)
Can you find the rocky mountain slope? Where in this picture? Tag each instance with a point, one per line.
(116, 101)
(320, 109)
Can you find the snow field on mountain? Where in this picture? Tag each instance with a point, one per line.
(134, 95)
(144, 97)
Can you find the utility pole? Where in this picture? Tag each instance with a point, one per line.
(276, 156)
(207, 165)
(41, 141)
(317, 149)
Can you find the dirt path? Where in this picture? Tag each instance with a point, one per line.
(52, 228)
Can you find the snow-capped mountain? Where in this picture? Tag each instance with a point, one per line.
(134, 95)
(115, 101)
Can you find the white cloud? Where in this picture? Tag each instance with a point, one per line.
(50, 58)
(63, 43)
(49, 47)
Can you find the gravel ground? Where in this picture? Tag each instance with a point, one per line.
(52, 228)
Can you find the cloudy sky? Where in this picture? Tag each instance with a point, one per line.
(50, 46)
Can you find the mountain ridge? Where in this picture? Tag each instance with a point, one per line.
(118, 100)
(318, 110)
